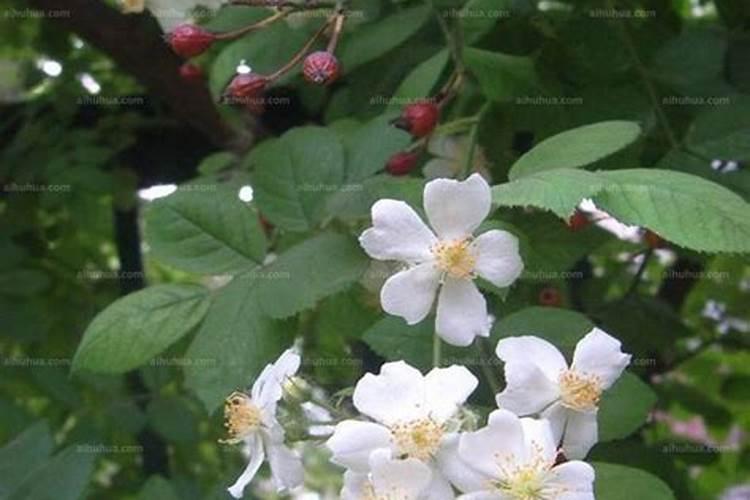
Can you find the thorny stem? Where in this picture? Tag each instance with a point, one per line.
(299, 55)
(252, 27)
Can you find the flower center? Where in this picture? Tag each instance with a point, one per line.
(579, 392)
(526, 481)
(455, 258)
(241, 417)
(418, 439)
(369, 493)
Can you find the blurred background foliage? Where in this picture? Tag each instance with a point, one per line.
(82, 139)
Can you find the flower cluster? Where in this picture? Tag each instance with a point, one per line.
(413, 436)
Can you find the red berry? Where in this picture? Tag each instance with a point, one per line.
(189, 40)
(550, 296)
(419, 119)
(246, 88)
(321, 68)
(191, 73)
(653, 240)
(402, 163)
(578, 221)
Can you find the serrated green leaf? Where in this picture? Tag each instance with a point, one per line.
(624, 407)
(559, 190)
(421, 81)
(314, 269)
(234, 343)
(502, 76)
(295, 174)
(139, 326)
(576, 148)
(684, 209)
(376, 39)
(617, 482)
(369, 147)
(353, 204)
(19, 457)
(478, 17)
(205, 231)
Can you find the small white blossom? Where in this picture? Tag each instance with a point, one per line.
(515, 460)
(448, 259)
(388, 478)
(411, 416)
(251, 420)
(540, 381)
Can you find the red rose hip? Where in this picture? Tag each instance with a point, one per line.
(189, 40)
(321, 68)
(419, 119)
(191, 73)
(402, 163)
(246, 87)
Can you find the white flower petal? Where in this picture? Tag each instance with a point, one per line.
(410, 293)
(498, 259)
(557, 416)
(501, 438)
(576, 478)
(255, 449)
(353, 442)
(286, 467)
(527, 390)
(354, 485)
(484, 495)
(581, 434)
(397, 394)
(538, 437)
(397, 233)
(533, 350)
(600, 354)
(446, 389)
(455, 469)
(456, 208)
(439, 488)
(405, 479)
(268, 387)
(461, 312)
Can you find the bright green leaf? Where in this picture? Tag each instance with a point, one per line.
(624, 407)
(502, 76)
(64, 477)
(369, 147)
(19, 457)
(617, 482)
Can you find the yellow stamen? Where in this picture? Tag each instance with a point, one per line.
(418, 439)
(241, 417)
(579, 391)
(455, 258)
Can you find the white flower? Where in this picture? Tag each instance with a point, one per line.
(389, 478)
(515, 459)
(251, 419)
(411, 414)
(453, 258)
(539, 381)
(450, 155)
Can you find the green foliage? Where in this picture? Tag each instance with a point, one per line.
(502, 76)
(139, 326)
(616, 482)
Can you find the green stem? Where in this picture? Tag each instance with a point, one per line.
(455, 44)
(437, 350)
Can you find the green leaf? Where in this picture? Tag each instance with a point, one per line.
(137, 327)
(314, 269)
(479, 17)
(421, 81)
(617, 482)
(173, 419)
(376, 39)
(157, 488)
(353, 204)
(502, 76)
(684, 209)
(295, 174)
(369, 148)
(64, 477)
(234, 343)
(561, 327)
(23, 282)
(577, 147)
(17, 458)
(205, 231)
(559, 190)
(624, 407)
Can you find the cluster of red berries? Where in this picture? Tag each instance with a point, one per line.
(188, 40)
(420, 120)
